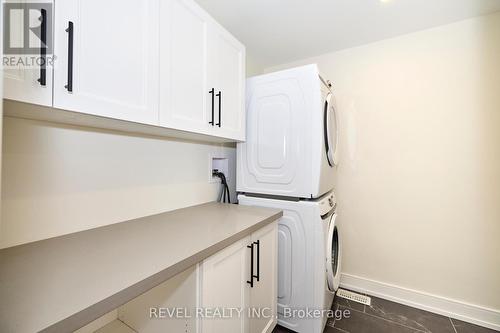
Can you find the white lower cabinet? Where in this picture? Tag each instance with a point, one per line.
(218, 295)
(229, 285)
(224, 288)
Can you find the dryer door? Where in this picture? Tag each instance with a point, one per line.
(333, 255)
(330, 130)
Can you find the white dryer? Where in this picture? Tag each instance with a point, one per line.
(309, 259)
(291, 143)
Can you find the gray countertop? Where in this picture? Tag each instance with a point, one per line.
(61, 284)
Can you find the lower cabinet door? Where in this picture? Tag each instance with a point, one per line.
(232, 304)
(225, 291)
(264, 294)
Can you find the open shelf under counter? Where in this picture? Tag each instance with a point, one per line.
(116, 326)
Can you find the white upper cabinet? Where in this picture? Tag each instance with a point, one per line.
(107, 58)
(202, 73)
(30, 85)
(165, 63)
(183, 66)
(226, 74)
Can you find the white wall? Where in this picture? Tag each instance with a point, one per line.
(59, 179)
(419, 180)
(1, 107)
(253, 67)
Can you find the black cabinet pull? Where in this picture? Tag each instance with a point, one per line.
(251, 265)
(43, 47)
(212, 92)
(69, 30)
(220, 103)
(258, 260)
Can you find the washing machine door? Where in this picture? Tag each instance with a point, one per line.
(333, 255)
(330, 130)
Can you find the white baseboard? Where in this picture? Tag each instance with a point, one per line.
(471, 313)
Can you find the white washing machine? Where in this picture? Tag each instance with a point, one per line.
(291, 140)
(309, 259)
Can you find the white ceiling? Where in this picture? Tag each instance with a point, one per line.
(279, 31)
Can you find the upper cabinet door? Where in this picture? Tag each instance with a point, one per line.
(226, 68)
(25, 84)
(183, 66)
(107, 58)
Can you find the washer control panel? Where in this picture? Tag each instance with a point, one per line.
(327, 203)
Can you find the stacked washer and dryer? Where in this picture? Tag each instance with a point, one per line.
(288, 161)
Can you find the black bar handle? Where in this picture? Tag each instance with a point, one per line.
(258, 260)
(43, 47)
(69, 30)
(212, 92)
(220, 102)
(251, 265)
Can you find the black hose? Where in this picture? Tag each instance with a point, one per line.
(225, 188)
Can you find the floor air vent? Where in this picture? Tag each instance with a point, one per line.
(352, 296)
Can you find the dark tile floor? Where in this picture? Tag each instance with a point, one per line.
(388, 317)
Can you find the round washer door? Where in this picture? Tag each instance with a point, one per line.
(330, 130)
(333, 255)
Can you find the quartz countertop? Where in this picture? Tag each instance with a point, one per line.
(62, 283)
